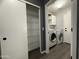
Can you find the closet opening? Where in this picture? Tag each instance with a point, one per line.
(33, 31)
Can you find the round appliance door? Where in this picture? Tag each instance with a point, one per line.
(61, 37)
(53, 37)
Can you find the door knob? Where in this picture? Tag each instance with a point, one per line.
(71, 29)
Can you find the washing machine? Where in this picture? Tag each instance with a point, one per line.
(60, 36)
(52, 38)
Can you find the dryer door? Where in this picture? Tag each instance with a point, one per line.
(53, 37)
(61, 37)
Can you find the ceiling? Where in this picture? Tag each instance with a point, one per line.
(58, 5)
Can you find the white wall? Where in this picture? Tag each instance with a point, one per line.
(59, 21)
(13, 26)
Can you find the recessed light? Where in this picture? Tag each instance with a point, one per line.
(60, 3)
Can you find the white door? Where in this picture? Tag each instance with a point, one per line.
(67, 27)
(13, 29)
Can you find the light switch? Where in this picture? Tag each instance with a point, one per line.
(42, 28)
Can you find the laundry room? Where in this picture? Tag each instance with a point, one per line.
(59, 26)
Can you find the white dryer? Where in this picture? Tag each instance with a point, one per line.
(52, 38)
(60, 36)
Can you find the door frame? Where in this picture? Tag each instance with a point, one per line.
(46, 27)
(74, 52)
(26, 2)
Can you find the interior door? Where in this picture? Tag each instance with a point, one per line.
(68, 27)
(13, 30)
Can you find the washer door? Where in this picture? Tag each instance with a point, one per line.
(53, 37)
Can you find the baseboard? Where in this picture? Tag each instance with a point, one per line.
(52, 46)
(34, 50)
(66, 42)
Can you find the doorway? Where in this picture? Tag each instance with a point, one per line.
(59, 21)
(33, 31)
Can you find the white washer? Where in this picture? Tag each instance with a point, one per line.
(52, 38)
(60, 37)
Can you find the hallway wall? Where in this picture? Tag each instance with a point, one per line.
(59, 21)
(14, 28)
